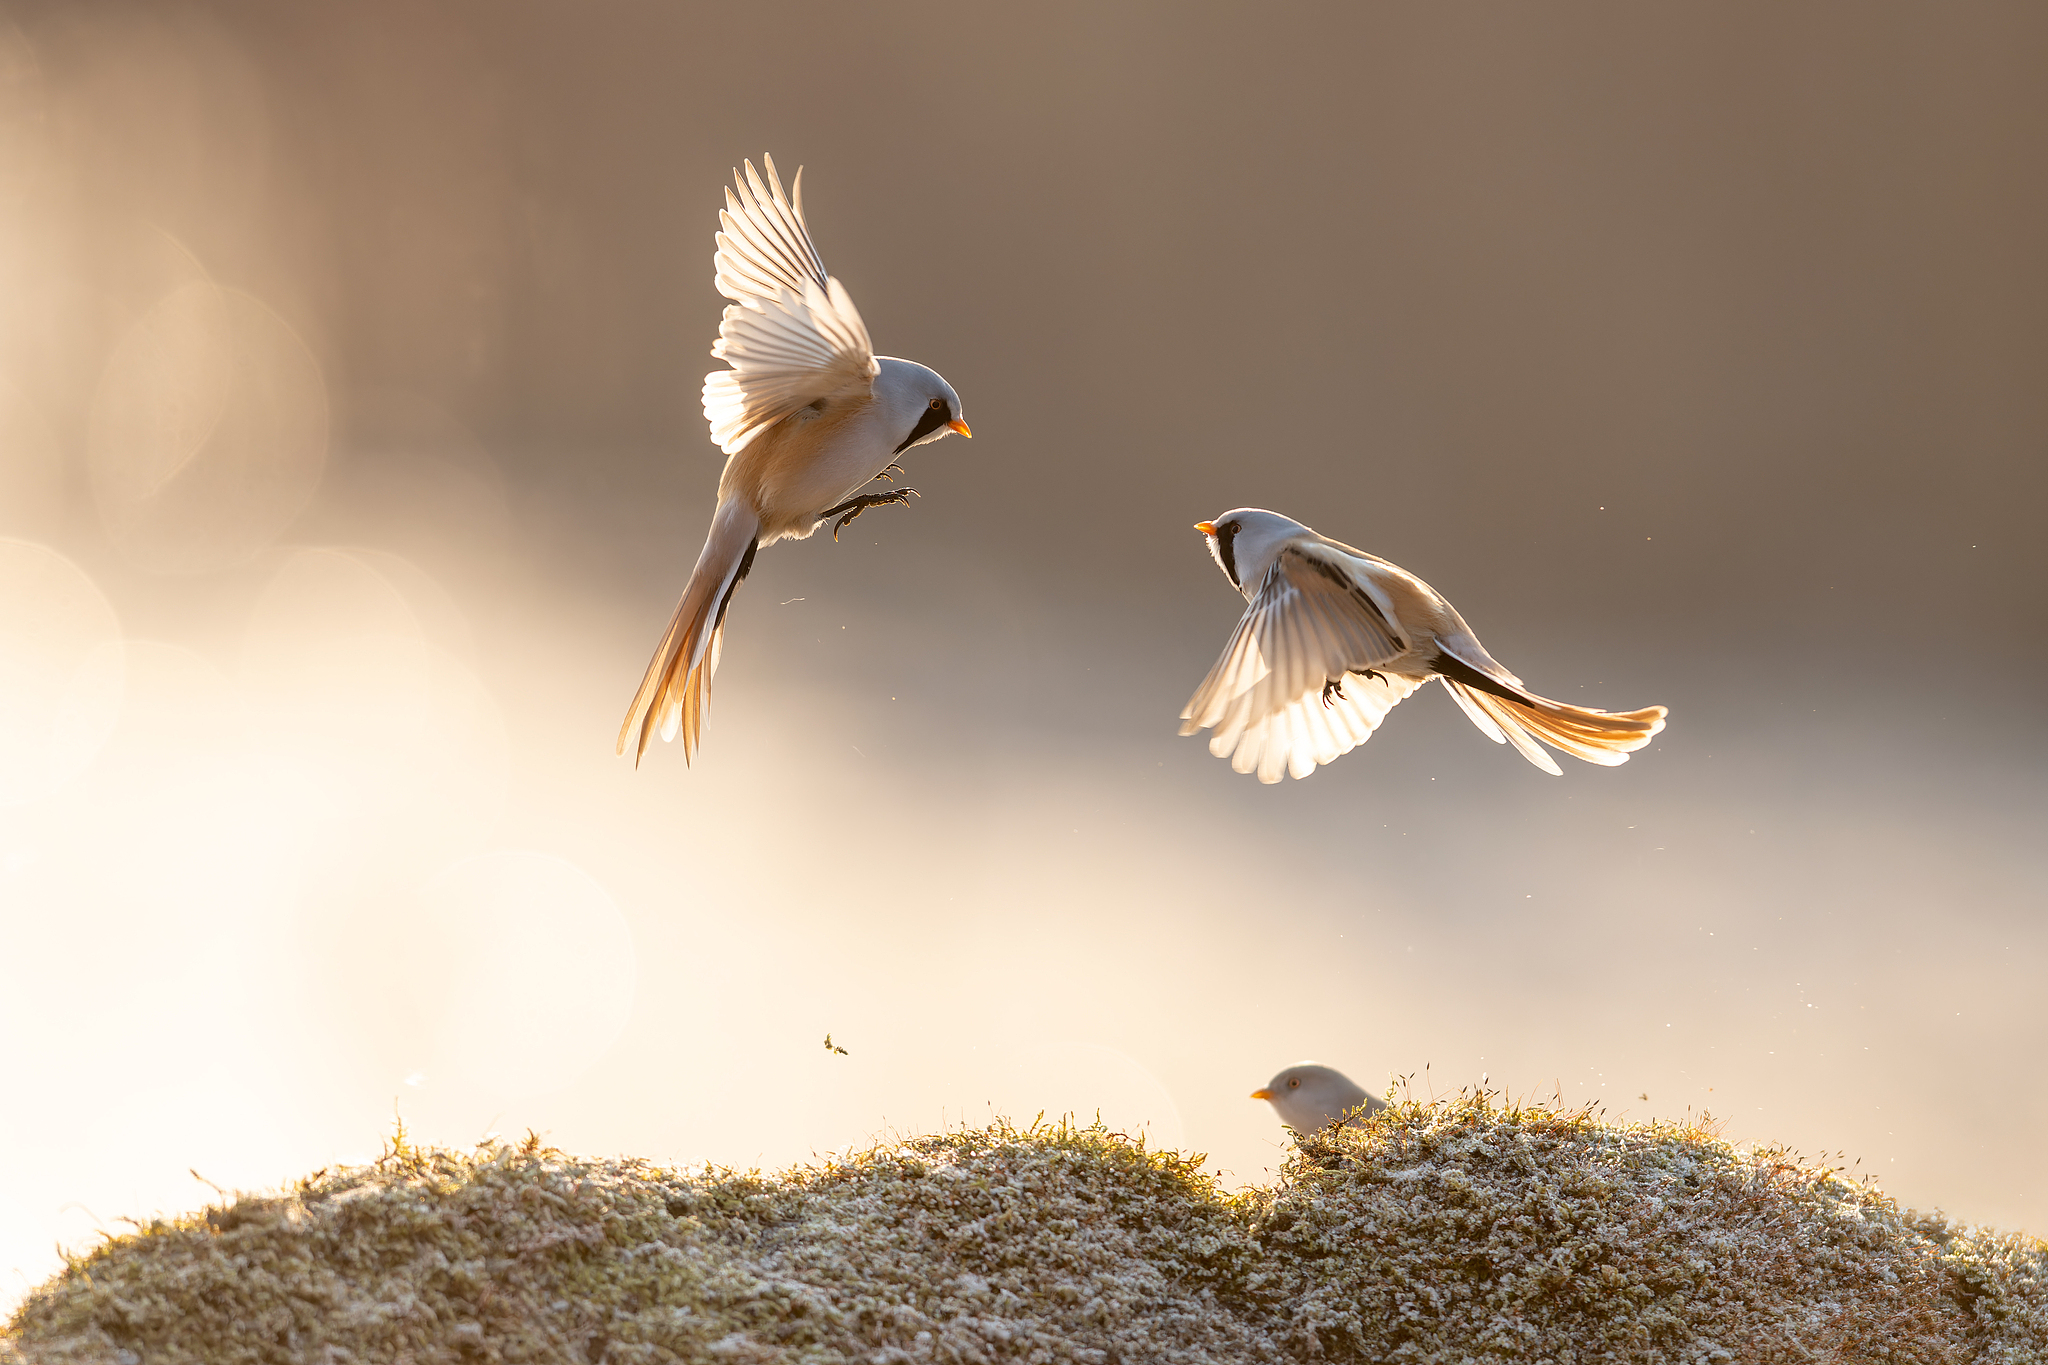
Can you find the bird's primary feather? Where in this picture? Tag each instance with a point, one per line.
(1308, 731)
(766, 245)
(791, 334)
(1309, 622)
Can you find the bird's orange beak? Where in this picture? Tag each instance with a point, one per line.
(1208, 528)
(1256, 1094)
(957, 425)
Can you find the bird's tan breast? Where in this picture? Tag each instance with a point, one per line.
(807, 462)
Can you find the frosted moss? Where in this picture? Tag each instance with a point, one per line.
(1456, 1231)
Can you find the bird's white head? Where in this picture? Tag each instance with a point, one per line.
(1309, 1095)
(1246, 540)
(920, 398)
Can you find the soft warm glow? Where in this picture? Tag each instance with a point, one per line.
(350, 462)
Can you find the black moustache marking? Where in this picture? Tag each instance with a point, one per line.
(1226, 537)
(933, 419)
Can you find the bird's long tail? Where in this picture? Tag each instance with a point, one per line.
(677, 689)
(1512, 715)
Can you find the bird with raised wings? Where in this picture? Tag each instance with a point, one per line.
(807, 415)
(1333, 638)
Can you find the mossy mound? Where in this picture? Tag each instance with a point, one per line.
(1455, 1231)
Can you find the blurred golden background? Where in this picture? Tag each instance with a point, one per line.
(351, 461)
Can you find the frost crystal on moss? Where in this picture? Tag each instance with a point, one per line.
(1449, 1232)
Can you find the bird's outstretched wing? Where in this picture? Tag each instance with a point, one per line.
(1295, 686)
(791, 334)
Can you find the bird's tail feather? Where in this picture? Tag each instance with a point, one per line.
(1602, 737)
(677, 689)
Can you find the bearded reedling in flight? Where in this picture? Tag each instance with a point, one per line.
(808, 415)
(1332, 638)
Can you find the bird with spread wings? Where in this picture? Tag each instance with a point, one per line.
(807, 415)
(1333, 638)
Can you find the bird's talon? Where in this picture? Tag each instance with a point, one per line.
(853, 507)
(1332, 687)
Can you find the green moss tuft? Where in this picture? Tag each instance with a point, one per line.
(1450, 1231)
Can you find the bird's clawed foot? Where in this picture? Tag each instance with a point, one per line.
(1333, 688)
(886, 476)
(853, 507)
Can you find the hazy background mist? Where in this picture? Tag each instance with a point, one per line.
(351, 460)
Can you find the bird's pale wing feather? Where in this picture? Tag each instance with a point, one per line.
(791, 335)
(1305, 733)
(766, 246)
(1309, 624)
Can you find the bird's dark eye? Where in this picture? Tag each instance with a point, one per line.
(1292, 1084)
(930, 420)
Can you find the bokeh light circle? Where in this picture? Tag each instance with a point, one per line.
(387, 744)
(208, 431)
(61, 671)
(31, 466)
